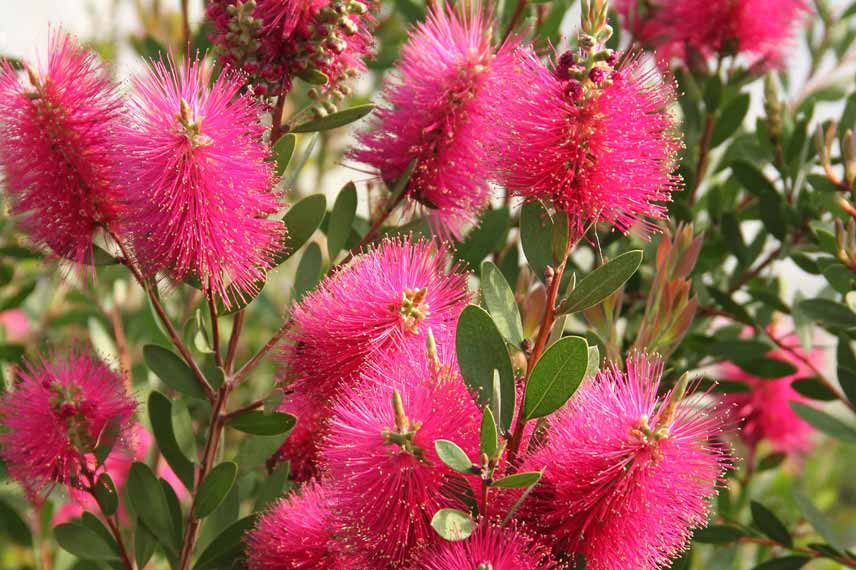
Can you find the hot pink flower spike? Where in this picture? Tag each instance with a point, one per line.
(385, 299)
(272, 41)
(609, 157)
(764, 412)
(627, 476)
(759, 29)
(298, 533)
(200, 187)
(441, 109)
(390, 480)
(490, 546)
(57, 413)
(59, 155)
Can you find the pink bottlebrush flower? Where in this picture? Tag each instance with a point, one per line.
(605, 157)
(441, 108)
(627, 475)
(764, 412)
(490, 546)
(272, 41)
(380, 451)
(298, 532)
(59, 410)
(385, 299)
(16, 325)
(199, 186)
(759, 29)
(59, 155)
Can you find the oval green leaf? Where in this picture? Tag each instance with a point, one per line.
(106, 495)
(452, 524)
(334, 120)
(283, 151)
(84, 542)
(518, 480)
(214, 489)
(301, 221)
(341, 220)
(149, 502)
(172, 370)
(260, 423)
(488, 436)
(602, 282)
(536, 237)
(500, 302)
(228, 546)
(769, 524)
(824, 422)
(481, 350)
(556, 377)
(308, 271)
(160, 415)
(453, 456)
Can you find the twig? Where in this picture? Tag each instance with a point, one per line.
(703, 158)
(373, 231)
(237, 326)
(215, 330)
(515, 17)
(185, 25)
(127, 260)
(276, 119)
(251, 406)
(845, 560)
(259, 356)
(209, 454)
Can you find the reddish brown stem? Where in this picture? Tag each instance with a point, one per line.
(209, 454)
(185, 26)
(515, 18)
(540, 343)
(259, 356)
(215, 330)
(373, 231)
(237, 326)
(276, 119)
(703, 158)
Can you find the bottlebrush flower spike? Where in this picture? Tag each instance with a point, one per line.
(441, 111)
(380, 450)
(199, 186)
(298, 533)
(59, 410)
(758, 29)
(489, 547)
(594, 136)
(627, 475)
(764, 412)
(272, 41)
(59, 155)
(384, 299)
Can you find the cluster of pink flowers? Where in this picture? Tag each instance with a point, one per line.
(274, 41)
(761, 30)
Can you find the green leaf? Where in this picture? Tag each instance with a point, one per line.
(828, 313)
(793, 562)
(718, 534)
(560, 238)
(767, 367)
(452, 524)
(145, 544)
(536, 231)
(518, 480)
(334, 120)
(556, 377)
(84, 542)
(593, 361)
(283, 151)
(481, 350)
(149, 502)
(771, 205)
(341, 219)
(301, 221)
(730, 119)
(818, 521)
(106, 495)
(14, 526)
(453, 456)
(257, 449)
(488, 436)
(846, 368)
(769, 524)
(160, 414)
(227, 548)
(214, 488)
(308, 271)
(736, 349)
(273, 487)
(499, 299)
(172, 371)
(313, 76)
(489, 236)
(824, 422)
(260, 423)
(602, 282)
(814, 389)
